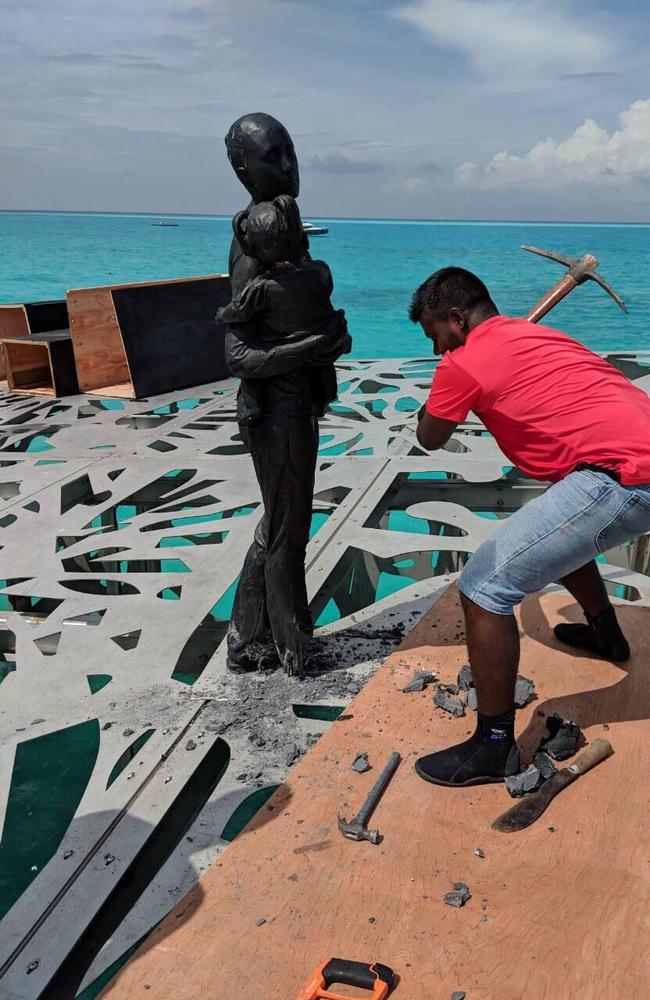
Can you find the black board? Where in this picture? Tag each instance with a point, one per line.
(170, 337)
(44, 316)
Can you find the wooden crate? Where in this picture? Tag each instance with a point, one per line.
(42, 364)
(136, 340)
(25, 318)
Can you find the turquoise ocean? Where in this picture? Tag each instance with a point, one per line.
(376, 265)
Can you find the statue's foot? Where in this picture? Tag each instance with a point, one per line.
(256, 656)
(601, 635)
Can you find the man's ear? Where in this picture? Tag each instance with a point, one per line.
(240, 227)
(458, 316)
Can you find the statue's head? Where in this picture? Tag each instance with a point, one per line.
(271, 231)
(262, 155)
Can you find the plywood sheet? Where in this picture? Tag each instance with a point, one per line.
(557, 911)
(96, 341)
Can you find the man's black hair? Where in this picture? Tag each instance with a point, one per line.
(448, 288)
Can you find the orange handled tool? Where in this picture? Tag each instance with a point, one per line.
(377, 979)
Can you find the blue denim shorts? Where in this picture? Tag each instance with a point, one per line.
(570, 524)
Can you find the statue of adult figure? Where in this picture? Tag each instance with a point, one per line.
(271, 617)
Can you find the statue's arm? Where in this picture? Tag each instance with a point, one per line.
(249, 357)
(246, 305)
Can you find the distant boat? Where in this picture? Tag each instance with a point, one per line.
(165, 223)
(312, 230)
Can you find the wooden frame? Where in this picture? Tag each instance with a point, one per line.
(41, 365)
(101, 357)
(22, 319)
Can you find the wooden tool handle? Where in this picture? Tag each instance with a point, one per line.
(555, 295)
(596, 751)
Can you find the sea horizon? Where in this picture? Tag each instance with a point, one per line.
(334, 218)
(376, 265)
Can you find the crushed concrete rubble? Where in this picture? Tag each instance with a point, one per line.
(564, 737)
(445, 697)
(524, 782)
(458, 896)
(421, 678)
(524, 691)
(360, 763)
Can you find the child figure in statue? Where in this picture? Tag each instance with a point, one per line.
(283, 352)
(289, 300)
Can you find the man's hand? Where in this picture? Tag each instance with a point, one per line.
(433, 432)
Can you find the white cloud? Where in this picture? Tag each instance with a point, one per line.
(588, 156)
(513, 43)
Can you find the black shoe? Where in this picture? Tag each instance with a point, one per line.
(477, 761)
(601, 635)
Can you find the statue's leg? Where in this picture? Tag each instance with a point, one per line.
(249, 633)
(289, 511)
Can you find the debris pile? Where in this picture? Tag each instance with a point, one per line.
(562, 742)
(452, 697)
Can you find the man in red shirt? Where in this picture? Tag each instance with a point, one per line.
(562, 414)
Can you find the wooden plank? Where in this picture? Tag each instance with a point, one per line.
(555, 913)
(96, 341)
(13, 323)
(169, 334)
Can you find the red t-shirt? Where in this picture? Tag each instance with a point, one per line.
(549, 402)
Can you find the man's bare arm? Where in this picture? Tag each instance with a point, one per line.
(433, 432)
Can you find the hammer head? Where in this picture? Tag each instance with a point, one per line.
(581, 269)
(354, 830)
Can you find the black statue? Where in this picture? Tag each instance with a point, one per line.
(283, 337)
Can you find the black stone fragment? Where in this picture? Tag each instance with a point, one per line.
(524, 782)
(465, 681)
(458, 896)
(445, 698)
(544, 765)
(458, 995)
(524, 691)
(472, 700)
(421, 678)
(360, 763)
(564, 737)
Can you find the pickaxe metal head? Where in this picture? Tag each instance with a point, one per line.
(582, 269)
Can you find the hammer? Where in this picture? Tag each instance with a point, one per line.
(356, 829)
(579, 271)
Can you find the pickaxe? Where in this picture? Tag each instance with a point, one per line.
(579, 271)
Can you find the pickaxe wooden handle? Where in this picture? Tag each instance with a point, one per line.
(578, 271)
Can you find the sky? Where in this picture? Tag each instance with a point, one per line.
(432, 109)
